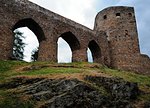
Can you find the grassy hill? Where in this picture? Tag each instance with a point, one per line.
(16, 76)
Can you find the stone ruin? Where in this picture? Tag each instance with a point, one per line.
(113, 41)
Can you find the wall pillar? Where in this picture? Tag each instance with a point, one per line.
(47, 51)
(6, 43)
(79, 55)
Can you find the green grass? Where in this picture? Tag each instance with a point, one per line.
(52, 71)
(6, 68)
(7, 65)
(143, 81)
(9, 69)
(128, 76)
(11, 100)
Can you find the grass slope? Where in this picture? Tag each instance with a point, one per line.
(10, 69)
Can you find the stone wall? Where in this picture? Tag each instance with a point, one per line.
(48, 27)
(113, 42)
(119, 23)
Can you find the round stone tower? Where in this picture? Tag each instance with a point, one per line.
(119, 23)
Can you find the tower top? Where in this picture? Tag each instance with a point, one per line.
(116, 14)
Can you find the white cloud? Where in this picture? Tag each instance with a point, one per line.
(64, 52)
(84, 12)
(89, 55)
(143, 21)
(30, 41)
(81, 11)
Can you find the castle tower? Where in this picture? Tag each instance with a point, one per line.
(119, 23)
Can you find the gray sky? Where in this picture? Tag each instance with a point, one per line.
(84, 12)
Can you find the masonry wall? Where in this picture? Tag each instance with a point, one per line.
(119, 23)
(113, 42)
(48, 27)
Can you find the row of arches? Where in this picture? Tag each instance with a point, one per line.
(67, 42)
(64, 52)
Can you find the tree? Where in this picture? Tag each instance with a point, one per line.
(19, 45)
(34, 54)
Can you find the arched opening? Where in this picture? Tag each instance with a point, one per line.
(31, 35)
(67, 44)
(64, 51)
(29, 43)
(95, 51)
(89, 56)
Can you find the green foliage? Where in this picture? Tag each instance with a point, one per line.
(34, 54)
(19, 45)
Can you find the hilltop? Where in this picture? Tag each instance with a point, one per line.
(72, 85)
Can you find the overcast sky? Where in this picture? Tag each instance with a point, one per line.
(84, 12)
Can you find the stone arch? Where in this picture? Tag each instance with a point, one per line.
(95, 50)
(33, 26)
(72, 40)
